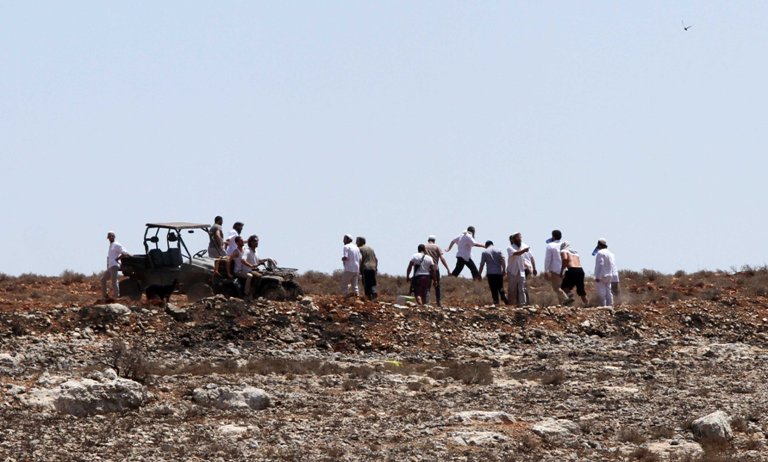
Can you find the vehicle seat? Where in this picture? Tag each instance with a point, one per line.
(173, 257)
(156, 258)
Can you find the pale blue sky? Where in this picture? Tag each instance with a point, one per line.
(394, 120)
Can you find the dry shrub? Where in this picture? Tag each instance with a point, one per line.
(631, 435)
(645, 455)
(739, 424)
(471, 373)
(129, 362)
(660, 431)
(529, 443)
(553, 378)
(69, 277)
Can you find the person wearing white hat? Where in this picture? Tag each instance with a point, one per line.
(464, 242)
(114, 255)
(572, 274)
(351, 259)
(436, 253)
(605, 268)
(516, 269)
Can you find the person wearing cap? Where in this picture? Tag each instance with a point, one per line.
(517, 267)
(464, 242)
(423, 272)
(436, 253)
(369, 265)
(605, 268)
(495, 274)
(351, 259)
(553, 265)
(237, 228)
(216, 239)
(572, 274)
(115, 253)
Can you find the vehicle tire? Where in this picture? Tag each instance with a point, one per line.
(273, 292)
(197, 291)
(293, 290)
(130, 288)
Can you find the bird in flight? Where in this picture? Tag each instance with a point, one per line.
(686, 27)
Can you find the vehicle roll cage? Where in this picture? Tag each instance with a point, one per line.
(172, 235)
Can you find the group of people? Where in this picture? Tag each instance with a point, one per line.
(562, 268)
(562, 265)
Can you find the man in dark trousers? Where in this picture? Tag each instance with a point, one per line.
(464, 242)
(496, 265)
(369, 265)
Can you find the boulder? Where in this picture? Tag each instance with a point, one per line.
(114, 309)
(478, 438)
(556, 429)
(107, 393)
(676, 450)
(715, 426)
(221, 397)
(495, 417)
(177, 313)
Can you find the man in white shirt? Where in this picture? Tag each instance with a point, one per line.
(516, 269)
(351, 258)
(115, 253)
(553, 264)
(423, 273)
(246, 260)
(465, 241)
(237, 228)
(605, 268)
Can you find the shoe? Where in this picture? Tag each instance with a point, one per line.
(568, 301)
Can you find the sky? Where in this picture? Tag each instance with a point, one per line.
(391, 120)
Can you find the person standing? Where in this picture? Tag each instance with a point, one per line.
(423, 273)
(351, 259)
(437, 255)
(369, 266)
(464, 242)
(115, 253)
(517, 269)
(572, 274)
(237, 228)
(216, 239)
(495, 273)
(553, 264)
(605, 268)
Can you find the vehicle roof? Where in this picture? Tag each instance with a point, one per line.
(178, 225)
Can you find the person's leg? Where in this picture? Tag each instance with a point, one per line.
(494, 289)
(615, 291)
(355, 278)
(473, 269)
(104, 279)
(566, 286)
(372, 279)
(345, 281)
(524, 290)
(556, 281)
(422, 285)
(248, 282)
(438, 299)
(520, 290)
(512, 287)
(113, 275)
(500, 287)
(608, 293)
(579, 282)
(459, 266)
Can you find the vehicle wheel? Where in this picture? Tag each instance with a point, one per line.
(197, 291)
(130, 288)
(293, 290)
(273, 292)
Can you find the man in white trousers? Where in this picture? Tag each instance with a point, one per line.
(605, 268)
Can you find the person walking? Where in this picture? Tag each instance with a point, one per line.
(495, 273)
(517, 269)
(572, 274)
(464, 242)
(115, 253)
(436, 253)
(216, 239)
(351, 259)
(423, 273)
(605, 268)
(553, 265)
(231, 245)
(369, 266)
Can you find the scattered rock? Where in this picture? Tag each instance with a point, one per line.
(221, 397)
(478, 438)
(556, 429)
(497, 417)
(676, 450)
(715, 426)
(178, 314)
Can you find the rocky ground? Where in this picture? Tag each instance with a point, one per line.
(330, 379)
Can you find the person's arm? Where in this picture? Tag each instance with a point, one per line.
(408, 271)
(445, 263)
(344, 256)
(547, 260)
(482, 266)
(521, 251)
(453, 242)
(564, 258)
(533, 264)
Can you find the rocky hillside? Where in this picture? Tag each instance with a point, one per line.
(678, 374)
